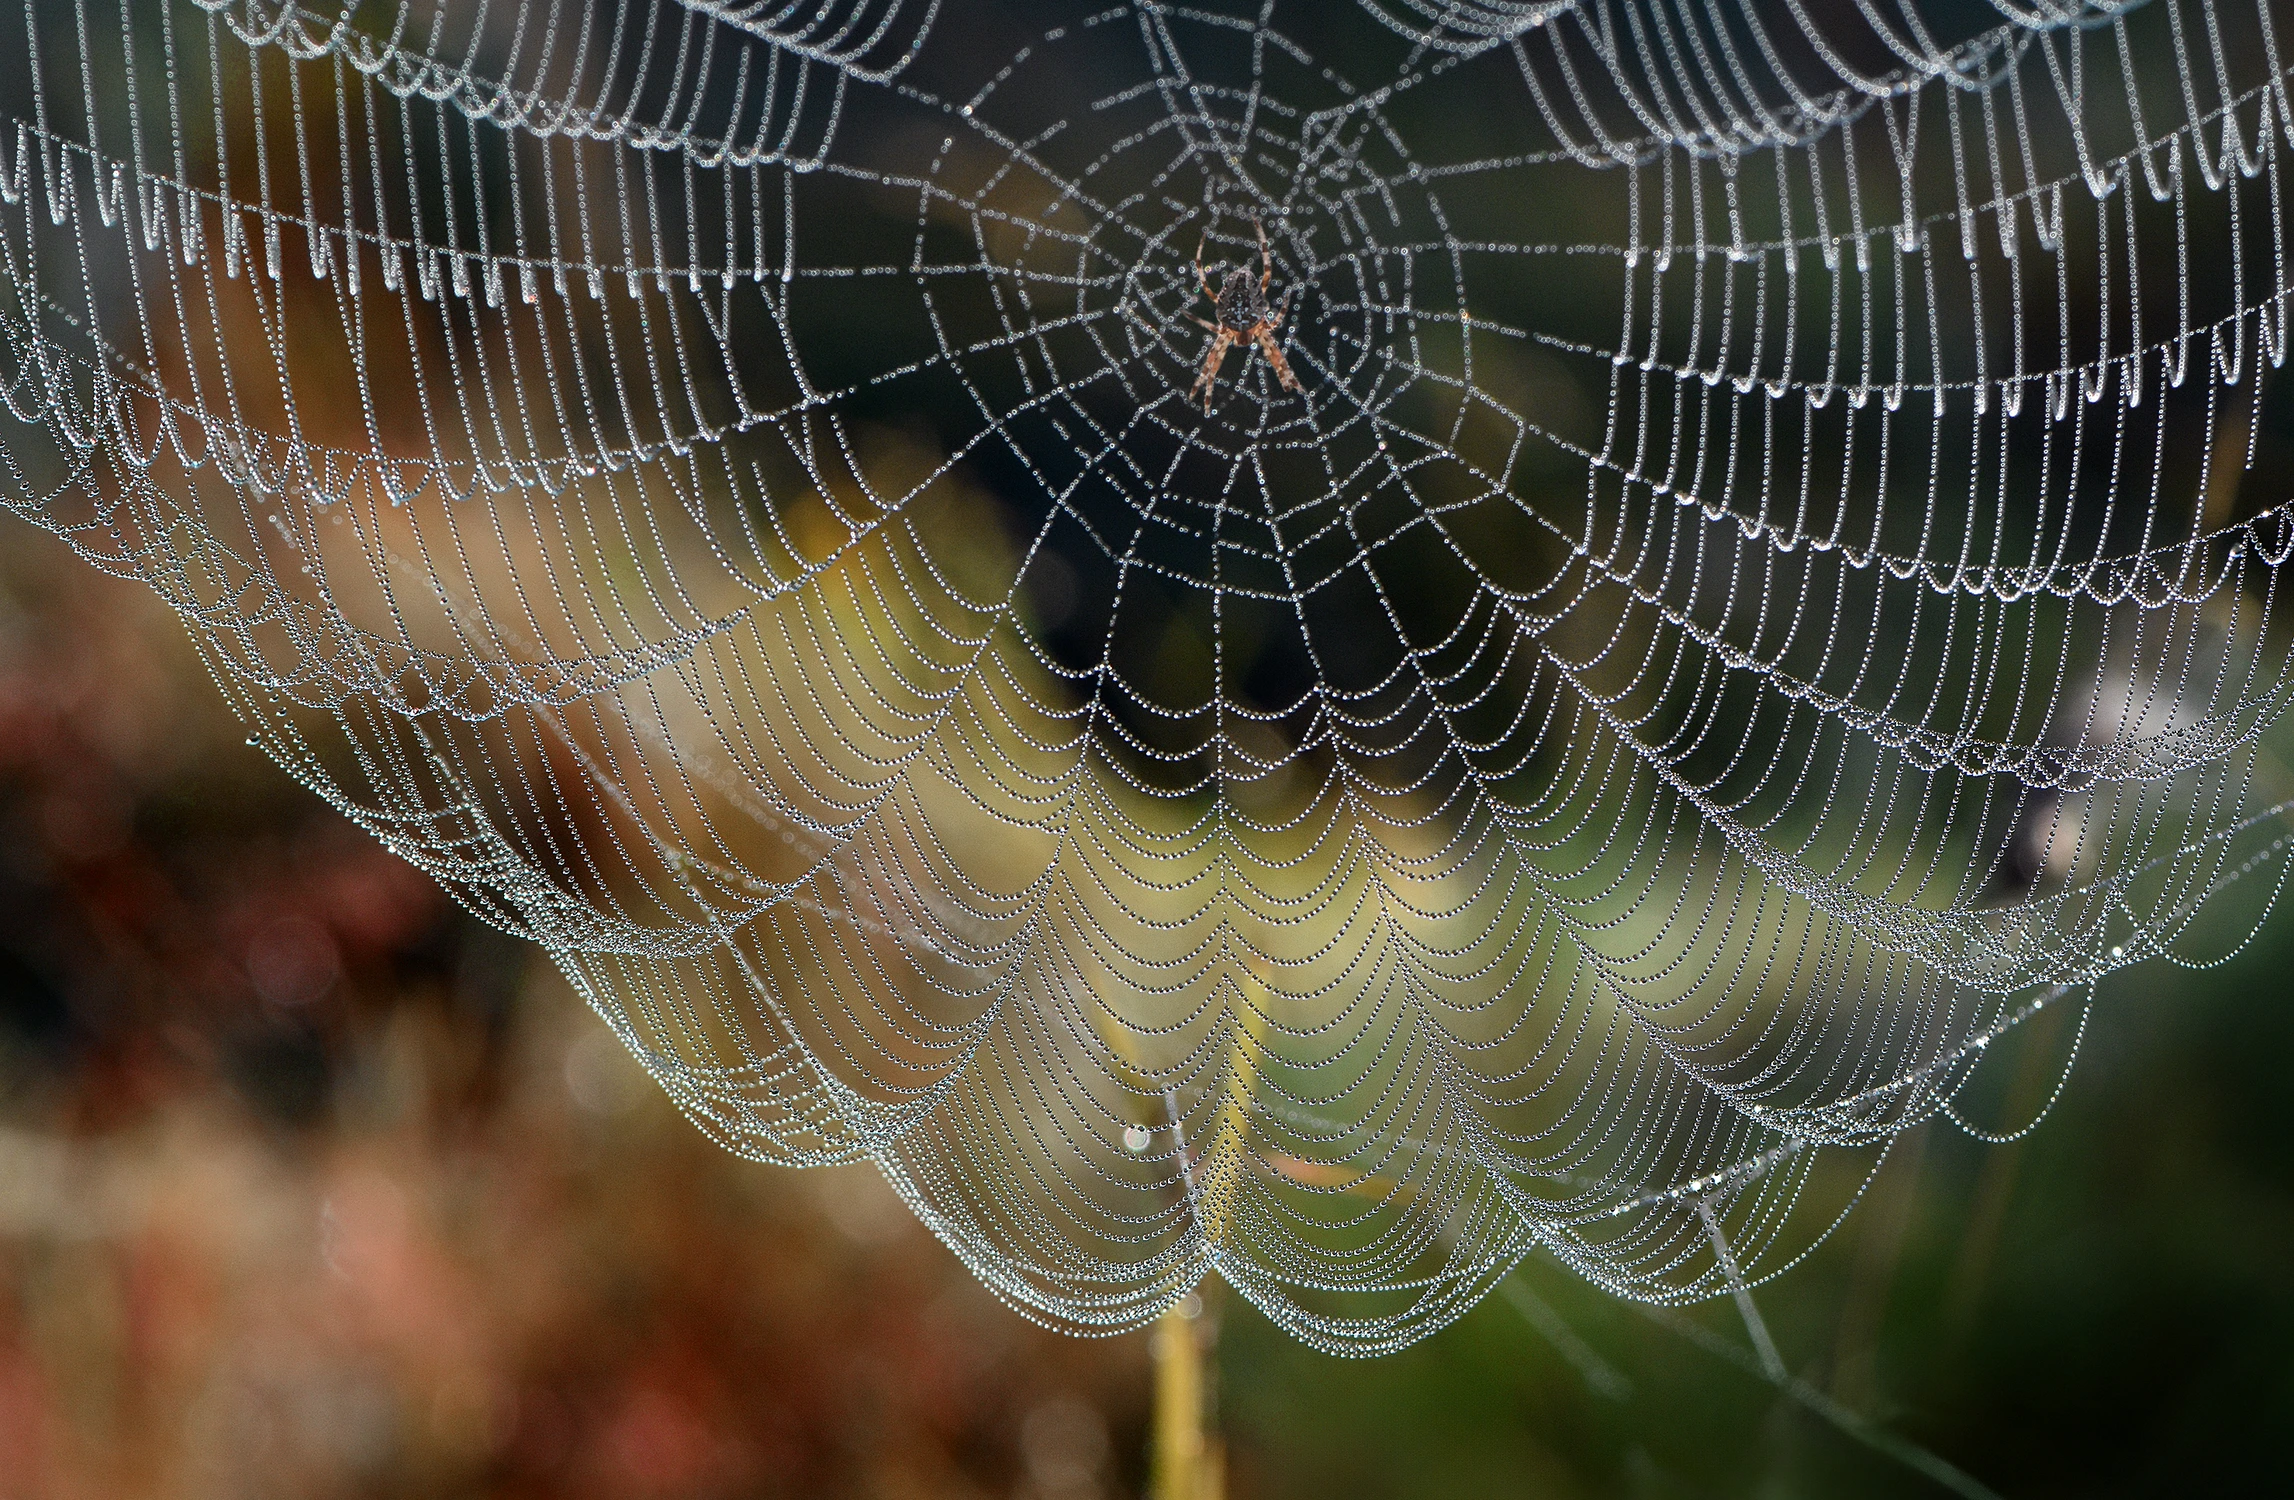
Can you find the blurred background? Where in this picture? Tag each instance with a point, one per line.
(311, 1185)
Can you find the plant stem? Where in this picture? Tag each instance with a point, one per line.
(1187, 1464)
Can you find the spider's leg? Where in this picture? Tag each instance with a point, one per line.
(1266, 258)
(1208, 380)
(1264, 334)
(1274, 320)
(1207, 325)
(1202, 275)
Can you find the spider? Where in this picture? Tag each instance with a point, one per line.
(1243, 317)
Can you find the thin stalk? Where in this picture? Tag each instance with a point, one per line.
(1188, 1464)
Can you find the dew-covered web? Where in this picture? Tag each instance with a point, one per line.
(1768, 579)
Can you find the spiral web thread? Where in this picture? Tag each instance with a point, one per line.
(1762, 590)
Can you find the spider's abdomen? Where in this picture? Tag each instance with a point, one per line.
(1240, 306)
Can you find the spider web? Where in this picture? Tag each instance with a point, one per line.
(1762, 590)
